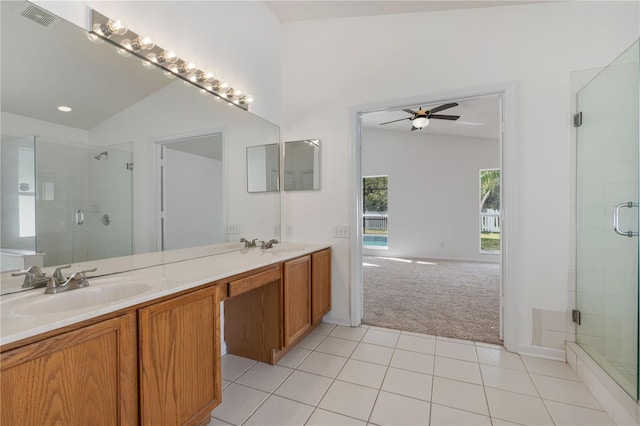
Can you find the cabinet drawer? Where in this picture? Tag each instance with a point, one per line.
(254, 281)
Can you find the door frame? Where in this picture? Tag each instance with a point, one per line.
(158, 175)
(509, 150)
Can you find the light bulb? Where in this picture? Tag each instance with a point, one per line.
(110, 28)
(193, 78)
(144, 42)
(209, 76)
(153, 57)
(126, 43)
(169, 56)
(224, 85)
(249, 99)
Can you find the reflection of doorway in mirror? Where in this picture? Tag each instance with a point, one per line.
(191, 202)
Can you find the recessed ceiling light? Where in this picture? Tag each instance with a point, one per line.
(64, 108)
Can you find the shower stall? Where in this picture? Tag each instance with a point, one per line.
(70, 201)
(607, 219)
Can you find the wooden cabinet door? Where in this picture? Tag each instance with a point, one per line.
(180, 359)
(84, 377)
(320, 284)
(297, 298)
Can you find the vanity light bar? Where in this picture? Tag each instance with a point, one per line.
(143, 47)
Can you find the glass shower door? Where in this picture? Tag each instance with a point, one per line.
(607, 195)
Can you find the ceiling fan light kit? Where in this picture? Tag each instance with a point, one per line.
(420, 118)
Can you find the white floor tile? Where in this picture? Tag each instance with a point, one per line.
(414, 361)
(350, 333)
(225, 383)
(264, 377)
(456, 350)
(322, 417)
(233, 366)
(278, 411)
(500, 422)
(294, 357)
(363, 373)
(507, 379)
(564, 414)
(324, 328)
(499, 358)
(336, 346)
(489, 345)
(517, 408)
(566, 391)
(382, 338)
(349, 399)
(548, 367)
(388, 330)
(217, 422)
(452, 340)
(411, 333)
(373, 353)
(392, 409)
(311, 341)
(304, 387)
(323, 364)
(447, 416)
(456, 369)
(238, 403)
(417, 344)
(408, 383)
(455, 394)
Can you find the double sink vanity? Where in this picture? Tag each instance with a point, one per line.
(144, 346)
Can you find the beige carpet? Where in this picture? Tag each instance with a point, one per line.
(438, 297)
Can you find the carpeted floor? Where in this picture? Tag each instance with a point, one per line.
(439, 297)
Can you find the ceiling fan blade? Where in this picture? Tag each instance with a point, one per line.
(443, 107)
(410, 111)
(393, 121)
(444, 116)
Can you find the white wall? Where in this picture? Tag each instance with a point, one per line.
(193, 201)
(333, 66)
(433, 192)
(240, 41)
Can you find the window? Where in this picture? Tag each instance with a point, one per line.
(374, 217)
(490, 210)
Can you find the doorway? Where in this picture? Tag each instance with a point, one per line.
(191, 192)
(438, 273)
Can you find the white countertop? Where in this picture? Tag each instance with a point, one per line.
(161, 281)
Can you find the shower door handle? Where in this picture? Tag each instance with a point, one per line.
(616, 215)
(79, 217)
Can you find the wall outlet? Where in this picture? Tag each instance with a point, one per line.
(341, 231)
(233, 229)
(276, 231)
(290, 231)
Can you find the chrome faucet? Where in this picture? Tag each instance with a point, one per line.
(33, 277)
(75, 281)
(248, 243)
(268, 244)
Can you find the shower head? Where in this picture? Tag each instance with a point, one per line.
(99, 156)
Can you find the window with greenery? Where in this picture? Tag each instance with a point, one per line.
(374, 217)
(490, 210)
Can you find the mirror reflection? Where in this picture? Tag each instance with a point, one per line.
(302, 165)
(263, 168)
(86, 184)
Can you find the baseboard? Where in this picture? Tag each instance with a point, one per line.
(337, 320)
(623, 409)
(543, 352)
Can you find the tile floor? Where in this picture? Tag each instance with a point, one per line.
(374, 376)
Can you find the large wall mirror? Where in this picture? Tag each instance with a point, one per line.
(302, 165)
(84, 185)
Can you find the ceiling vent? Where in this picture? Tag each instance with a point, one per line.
(39, 16)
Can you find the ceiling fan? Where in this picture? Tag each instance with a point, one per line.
(420, 118)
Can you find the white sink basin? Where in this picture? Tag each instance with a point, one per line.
(101, 291)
